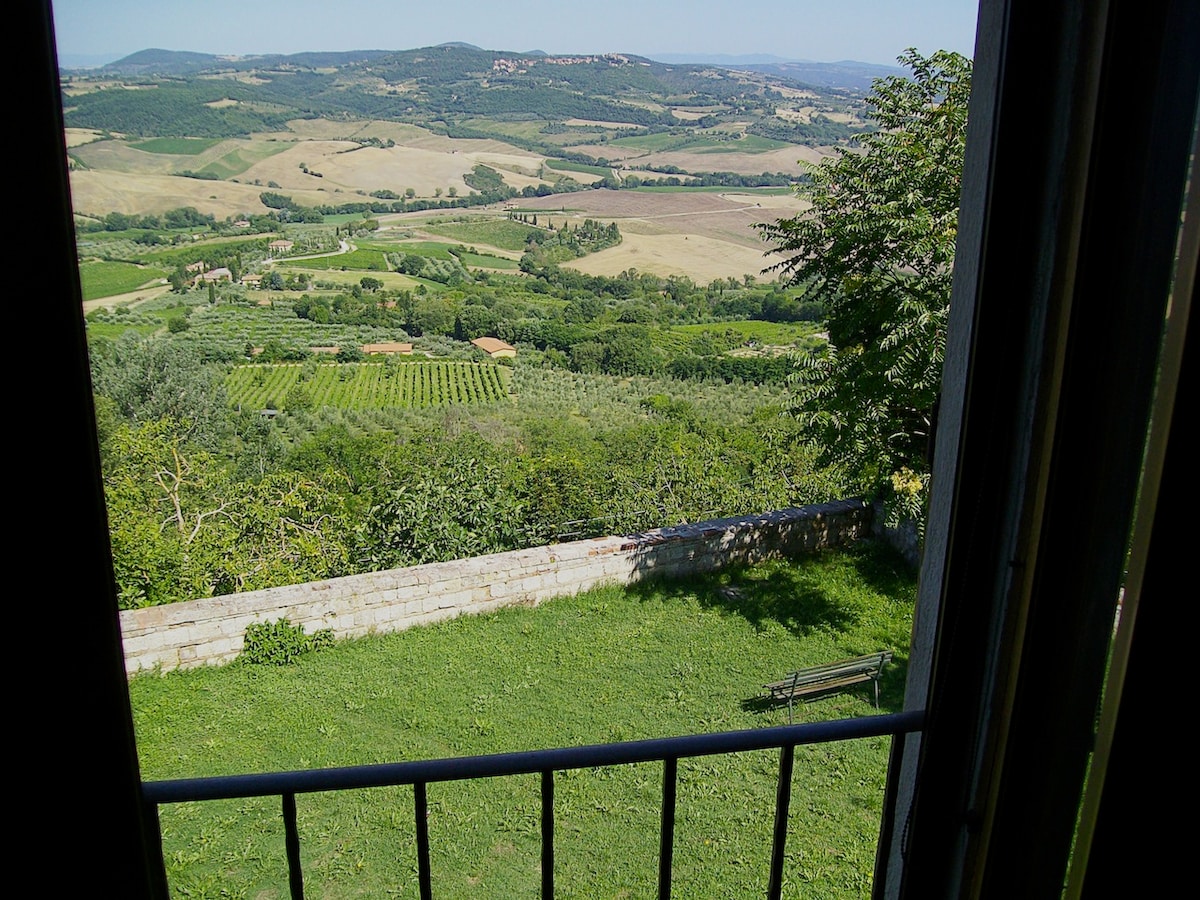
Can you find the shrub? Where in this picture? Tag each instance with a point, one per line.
(279, 643)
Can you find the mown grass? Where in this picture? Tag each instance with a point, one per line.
(563, 165)
(488, 261)
(775, 333)
(149, 318)
(746, 143)
(699, 143)
(505, 234)
(608, 665)
(660, 141)
(241, 158)
(176, 146)
(711, 189)
(107, 279)
(431, 249)
(532, 131)
(359, 260)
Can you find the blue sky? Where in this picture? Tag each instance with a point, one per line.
(874, 31)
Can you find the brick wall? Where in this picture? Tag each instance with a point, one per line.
(210, 631)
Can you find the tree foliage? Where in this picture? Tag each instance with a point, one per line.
(877, 249)
(152, 378)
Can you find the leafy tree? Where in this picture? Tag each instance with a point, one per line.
(258, 445)
(276, 201)
(151, 487)
(455, 501)
(298, 399)
(179, 280)
(432, 315)
(877, 249)
(152, 378)
(474, 321)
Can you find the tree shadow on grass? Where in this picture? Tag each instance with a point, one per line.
(790, 593)
(804, 600)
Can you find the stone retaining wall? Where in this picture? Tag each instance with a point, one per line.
(210, 631)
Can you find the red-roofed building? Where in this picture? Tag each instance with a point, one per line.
(388, 347)
(494, 347)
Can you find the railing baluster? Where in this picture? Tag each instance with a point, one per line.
(420, 773)
(548, 834)
(292, 844)
(421, 812)
(666, 850)
(783, 799)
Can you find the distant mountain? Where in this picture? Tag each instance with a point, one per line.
(154, 60)
(844, 75)
(848, 75)
(465, 92)
(184, 62)
(719, 59)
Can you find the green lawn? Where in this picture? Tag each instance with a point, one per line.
(176, 146)
(563, 165)
(775, 333)
(358, 260)
(487, 261)
(507, 234)
(747, 143)
(608, 665)
(107, 279)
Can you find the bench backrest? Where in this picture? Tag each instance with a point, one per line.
(868, 666)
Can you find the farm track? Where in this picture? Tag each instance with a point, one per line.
(148, 292)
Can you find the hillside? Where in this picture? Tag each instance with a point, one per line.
(566, 106)
(453, 126)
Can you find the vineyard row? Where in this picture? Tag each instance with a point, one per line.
(361, 386)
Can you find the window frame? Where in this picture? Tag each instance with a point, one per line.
(1025, 558)
(1065, 364)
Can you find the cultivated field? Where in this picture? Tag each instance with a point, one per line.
(380, 385)
(346, 170)
(700, 234)
(789, 160)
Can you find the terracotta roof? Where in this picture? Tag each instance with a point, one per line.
(491, 344)
(388, 347)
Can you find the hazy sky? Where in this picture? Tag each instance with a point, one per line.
(874, 31)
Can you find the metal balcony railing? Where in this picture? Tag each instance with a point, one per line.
(669, 751)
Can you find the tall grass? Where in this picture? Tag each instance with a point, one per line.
(611, 664)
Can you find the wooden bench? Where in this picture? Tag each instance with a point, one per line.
(835, 676)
